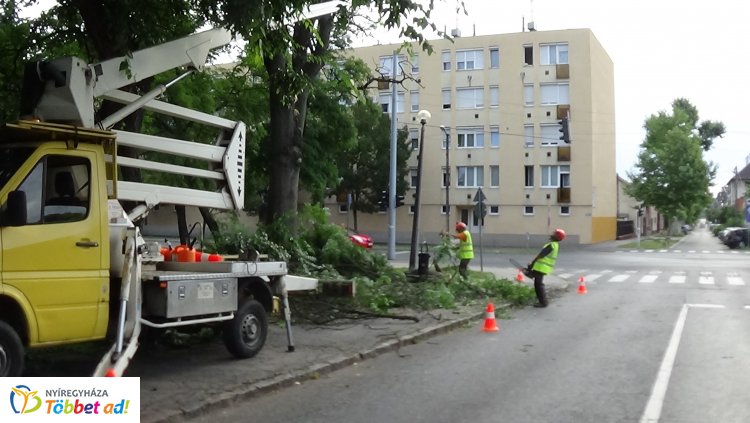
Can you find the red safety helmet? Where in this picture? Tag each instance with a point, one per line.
(460, 226)
(559, 234)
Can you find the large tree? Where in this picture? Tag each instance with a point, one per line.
(671, 173)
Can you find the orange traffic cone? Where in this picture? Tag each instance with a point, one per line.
(519, 276)
(489, 322)
(582, 286)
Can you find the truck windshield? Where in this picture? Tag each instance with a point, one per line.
(11, 158)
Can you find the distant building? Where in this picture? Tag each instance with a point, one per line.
(500, 98)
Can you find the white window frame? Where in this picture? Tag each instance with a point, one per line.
(551, 175)
(550, 134)
(528, 135)
(526, 211)
(415, 64)
(494, 210)
(469, 98)
(469, 137)
(470, 176)
(414, 99)
(553, 94)
(413, 178)
(553, 54)
(469, 59)
(414, 139)
(386, 62)
(525, 174)
(494, 176)
(494, 58)
(446, 94)
(445, 178)
(446, 56)
(385, 100)
(494, 136)
(528, 95)
(564, 213)
(343, 208)
(494, 96)
(443, 209)
(412, 207)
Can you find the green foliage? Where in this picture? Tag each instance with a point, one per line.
(725, 215)
(671, 173)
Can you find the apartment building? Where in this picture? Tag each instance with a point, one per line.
(497, 102)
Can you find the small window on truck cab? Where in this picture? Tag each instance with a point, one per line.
(57, 190)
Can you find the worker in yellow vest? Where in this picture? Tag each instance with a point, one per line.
(465, 248)
(543, 264)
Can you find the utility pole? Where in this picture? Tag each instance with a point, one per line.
(392, 168)
(424, 117)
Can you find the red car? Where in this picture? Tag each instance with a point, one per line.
(362, 240)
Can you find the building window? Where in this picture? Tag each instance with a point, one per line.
(494, 96)
(412, 208)
(494, 210)
(494, 176)
(528, 172)
(555, 176)
(414, 95)
(386, 65)
(470, 176)
(446, 60)
(550, 134)
(470, 137)
(415, 64)
(412, 178)
(469, 98)
(555, 93)
(528, 94)
(385, 102)
(528, 210)
(553, 54)
(469, 59)
(494, 57)
(414, 139)
(528, 55)
(343, 208)
(444, 209)
(565, 210)
(446, 99)
(528, 135)
(494, 136)
(445, 178)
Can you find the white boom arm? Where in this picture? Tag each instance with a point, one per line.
(71, 87)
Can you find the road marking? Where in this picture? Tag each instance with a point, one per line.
(691, 251)
(590, 278)
(677, 279)
(747, 307)
(648, 279)
(705, 252)
(649, 251)
(652, 412)
(662, 251)
(677, 251)
(565, 275)
(735, 280)
(706, 278)
(619, 278)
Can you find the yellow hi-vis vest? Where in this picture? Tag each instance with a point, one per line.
(547, 263)
(465, 248)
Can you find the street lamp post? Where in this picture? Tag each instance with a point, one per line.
(424, 116)
(447, 132)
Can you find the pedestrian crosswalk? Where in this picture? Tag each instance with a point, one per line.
(724, 251)
(648, 277)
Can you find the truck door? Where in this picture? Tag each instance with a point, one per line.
(56, 259)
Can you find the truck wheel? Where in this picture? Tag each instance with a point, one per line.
(11, 352)
(245, 335)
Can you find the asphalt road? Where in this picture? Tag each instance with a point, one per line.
(661, 336)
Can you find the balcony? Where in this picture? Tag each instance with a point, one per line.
(563, 195)
(563, 71)
(563, 111)
(563, 153)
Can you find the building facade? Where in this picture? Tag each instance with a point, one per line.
(498, 101)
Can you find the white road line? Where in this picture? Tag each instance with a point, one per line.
(747, 307)
(705, 252)
(735, 280)
(565, 275)
(648, 279)
(662, 251)
(720, 251)
(706, 278)
(677, 279)
(589, 278)
(655, 402)
(677, 251)
(691, 251)
(649, 251)
(619, 278)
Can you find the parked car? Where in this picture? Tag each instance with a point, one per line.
(722, 234)
(362, 240)
(738, 238)
(686, 229)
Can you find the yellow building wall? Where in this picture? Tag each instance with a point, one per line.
(603, 229)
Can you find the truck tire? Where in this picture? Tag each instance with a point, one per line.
(11, 352)
(245, 335)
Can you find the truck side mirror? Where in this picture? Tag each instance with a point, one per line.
(15, 212)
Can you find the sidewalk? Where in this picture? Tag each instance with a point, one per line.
(177, 384)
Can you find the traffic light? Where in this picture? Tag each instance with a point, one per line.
(399, 200)
(383, 200)
(640, 211)
(564, 129)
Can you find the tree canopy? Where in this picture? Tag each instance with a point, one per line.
(671, 173)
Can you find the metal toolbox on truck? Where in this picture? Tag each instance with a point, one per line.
(189, 295)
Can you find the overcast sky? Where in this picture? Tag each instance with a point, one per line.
(661, 49)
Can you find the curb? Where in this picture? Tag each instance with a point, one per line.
(311, 372)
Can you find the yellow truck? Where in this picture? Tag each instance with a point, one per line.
(73, 264)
